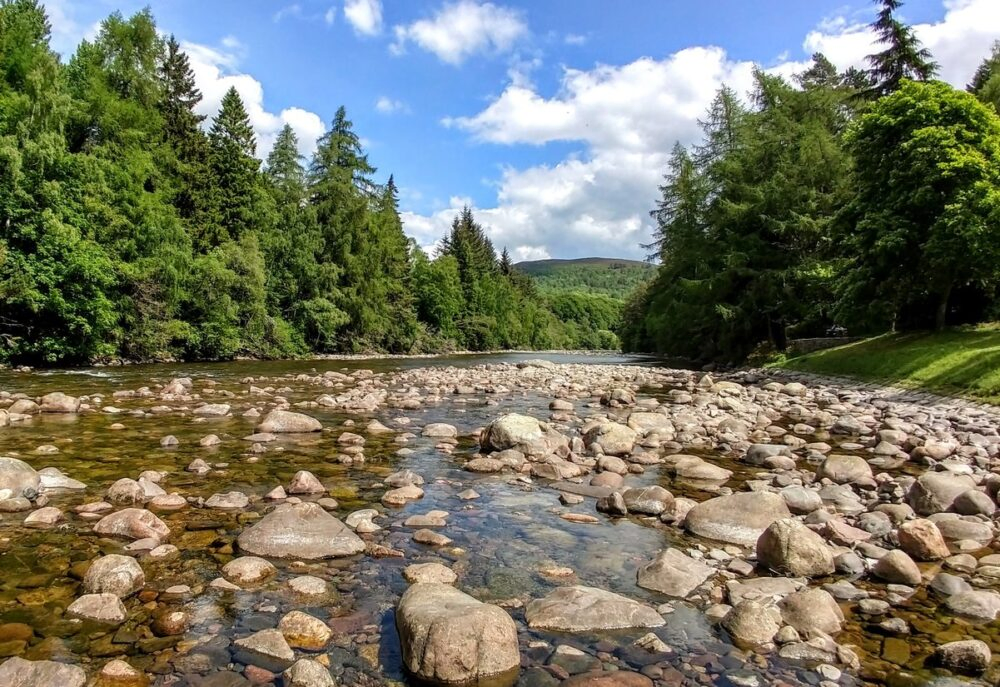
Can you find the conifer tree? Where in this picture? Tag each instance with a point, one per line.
(903, 57)
(235, 173)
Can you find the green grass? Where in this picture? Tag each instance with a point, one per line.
(956, 362)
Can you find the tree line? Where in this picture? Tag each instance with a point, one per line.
(132, 228)
(867, 199)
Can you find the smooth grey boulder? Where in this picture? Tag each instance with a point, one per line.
(287, 422)
(935, 492)
(18, 476)
(114, 574)
(738, 518)
(300, 530)
(17, 672)
(674, 574)
(585, 609)
(788, 546)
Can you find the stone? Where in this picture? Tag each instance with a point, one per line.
(653, 500)
(43, 517)
(300, 530)
(609, 678)
(126, 492)
(233, 500)
(304, 482)
(307, 585)
(812, 610)
(736, 519)
(965, 656)
(801, 500)
(511, 431)
(788, 546)
(402, 495)
(844, 469)
(19, 477)
(287, 422)
(266, 649)
(974, 502)
(17, 672)
(695, 469)
(303, 631)
(922, 540)
(439, 430)
(897, 568)
(52, 479)
(752, 623)
(132, 523)
(58, 402)
(248, 570)
(429, 572)
(484, 465)
(935, 492)
(211, 410)
(118, 673)
(979, 604)
(448, 637)
(431, 538)
(674, 574)
(101, 608)
(614, 439)
(586, 609)
(308, 673)
(114, 574)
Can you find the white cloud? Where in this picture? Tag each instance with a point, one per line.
(288, 11)
(331, 15)
(462, 29)
(365, 16)
(575, 39)
(386, 105)
(626, 118)
(216, 71)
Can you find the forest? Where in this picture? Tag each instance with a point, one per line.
(866, 199)
(133, 229)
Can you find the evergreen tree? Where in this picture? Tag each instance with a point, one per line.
(235, 171)
(985, 83)
(902, 58)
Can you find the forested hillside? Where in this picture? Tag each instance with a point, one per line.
(865, 199)
(131, 228)
(613, 277)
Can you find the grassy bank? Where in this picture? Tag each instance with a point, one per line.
(958, 362)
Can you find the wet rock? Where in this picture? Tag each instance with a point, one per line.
(17, 672)
(965, 656)
(287, 422)
(484, 465)
(788, 546)
(935, 492)
(118, 673)
(402, 495)
(18, 477)
(695, 469)
(126, 492)
(753, 623)
(58, 402)
(897, 568)
(304, 482)
(612, 504)
(403, 478)
(812, 610)
(308, 673)
(132, 523)
(44, 517)
(922, 540)
(611, 678)
(979, 604)
(300, 530)
(431, 538)
(266, 649)
(233, 500)
(114, 574)
(613, 439)
(586, 609)
(53, 480)
(736, 519)
(511, 431)
(947, 584)
(448, 637)
(674, 574)
(248, 570)
(303, 631)
(307, 585)
(439, 430)
(101, 608)
(211, 410)
(429, 572)
(653, 500)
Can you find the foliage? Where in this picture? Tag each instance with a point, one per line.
(902, 58)
(609, 276)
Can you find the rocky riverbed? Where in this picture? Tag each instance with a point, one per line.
(496, 522)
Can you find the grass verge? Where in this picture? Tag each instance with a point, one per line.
(963, 361)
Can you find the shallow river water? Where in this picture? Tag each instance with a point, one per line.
(502, 541)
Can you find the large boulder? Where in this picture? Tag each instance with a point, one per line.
(812, 610)
(674, 574)
(114, 574)
(978, 603)
(58, 402)
(18, 476)
(132, 523)
(965, 656)
(935, 492)
(738, 518)
(844, 469)
(896, 567)
(511, 431)
(922, 539)
(788, 546)
(613, 439)
(752, 622)
(300, 530)
(287, 422)
(586, 609)
(695, 469)
(652, 500)
(308, 673)
(17, 672)
(448, 637)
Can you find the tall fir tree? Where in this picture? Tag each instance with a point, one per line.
(903, 56)
(235, 171)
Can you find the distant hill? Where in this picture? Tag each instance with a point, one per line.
(615, 277)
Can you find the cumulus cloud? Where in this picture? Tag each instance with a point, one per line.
(216, 70)
(331, 15)
(386, 105)
(365, 16)
(626, 118)
(462, 29)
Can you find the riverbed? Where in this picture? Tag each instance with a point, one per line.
(508, 545)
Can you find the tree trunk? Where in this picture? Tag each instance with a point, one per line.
(942, 309)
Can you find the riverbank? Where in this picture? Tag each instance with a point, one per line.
(961, 362)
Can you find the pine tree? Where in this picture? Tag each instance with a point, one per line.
(235, 170)
(985, 83)
(506, 264)
(284, 169)
(903, 56)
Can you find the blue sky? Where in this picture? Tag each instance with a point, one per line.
(551, 118)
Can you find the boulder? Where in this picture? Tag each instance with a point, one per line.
(300, 530)
(935, 492)
(287, 422)
(653, 500)
(101, 608)
(266, 649)
(586, 609)
(965, 656)
(695, 469)
(788, 546)
(114, 574)
(844, 469)
(429, 572)
(58, 402)
(511, 431)
(132, 523)
(448, 637)
(812, 610)
(17, 672)
(126, 492)
(896, 567)
(674, 574)
(922, 540)
(303, 631)
(979, 604)
(439, 430)
(304, 482)
(752, 622)
(613, 439)
(248, 570)
(308, 673)
(738, 518)
(18, 476)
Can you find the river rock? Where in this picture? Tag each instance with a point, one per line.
(439, 430)
(114, 574)
(18, 477)
(738, 518)
(695, 469)
(674, 574)
(613, 439)
(788, 546)
(448, 637)
(511, 431)
(101, 608)
(922, 540)
(233, 500)
(896, 567)
(52, 479)
(300, 530)
(118, 673)
(58, 402)
(303, 631)
(308, 673)
(212, 410)
(429, 572)
(608, 678)
(752, 623)
(132, 523)
(248, 570)
(587, 609)
(126, 492)
(965, 656)
(304, 482)
(17, 672)
(979, 604)
(43, 517)
(935, 492)
(266, 649)
(844, 469)
(810, 610)
(653, 500)
(287, 422)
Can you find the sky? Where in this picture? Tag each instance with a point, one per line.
(552, 119)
